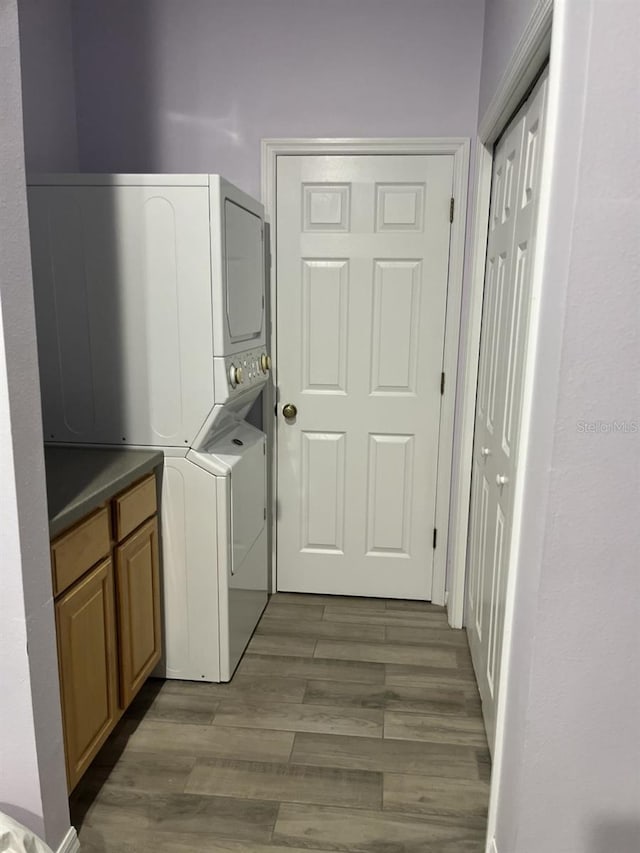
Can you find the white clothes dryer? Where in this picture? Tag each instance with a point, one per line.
(150, 296)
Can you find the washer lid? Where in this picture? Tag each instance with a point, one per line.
(224, 450)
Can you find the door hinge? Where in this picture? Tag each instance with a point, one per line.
(442, 383)
(435, 536)
(452, 205)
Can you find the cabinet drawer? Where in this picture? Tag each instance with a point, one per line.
(134, 506)
(73, 553)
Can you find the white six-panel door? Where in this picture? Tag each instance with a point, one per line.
(514, 201)
(362, 267)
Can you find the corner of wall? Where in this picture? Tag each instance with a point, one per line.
(32, 782)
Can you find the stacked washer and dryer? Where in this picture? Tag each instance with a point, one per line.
(150, 309)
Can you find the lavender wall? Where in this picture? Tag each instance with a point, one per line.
(504, 24)
(48, 86)
(32, 776)
(193, 86)
(571, 772)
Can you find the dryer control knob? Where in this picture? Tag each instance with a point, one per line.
(265, 363)
(235, 375)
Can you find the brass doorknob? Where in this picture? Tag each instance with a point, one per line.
(289, 411)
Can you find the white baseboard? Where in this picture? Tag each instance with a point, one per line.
(70, 843)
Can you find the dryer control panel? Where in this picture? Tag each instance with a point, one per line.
(238, 373)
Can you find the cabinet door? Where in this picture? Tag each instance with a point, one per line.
(138, 591)
(85, 623)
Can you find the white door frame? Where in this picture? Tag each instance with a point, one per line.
(458, 148)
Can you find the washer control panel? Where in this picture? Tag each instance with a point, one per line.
(247, 369)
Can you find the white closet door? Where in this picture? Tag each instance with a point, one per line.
(505, 319)
(363, 248)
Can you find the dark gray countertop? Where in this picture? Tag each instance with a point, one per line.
(81, 479)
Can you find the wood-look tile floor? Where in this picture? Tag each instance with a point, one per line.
(350, 725)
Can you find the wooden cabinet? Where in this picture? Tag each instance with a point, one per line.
(75, 552)
(135, 505)
(106, 580)
(86, 628)
(138, 596)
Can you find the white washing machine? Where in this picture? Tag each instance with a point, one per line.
(215, 552)
(150, 305)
